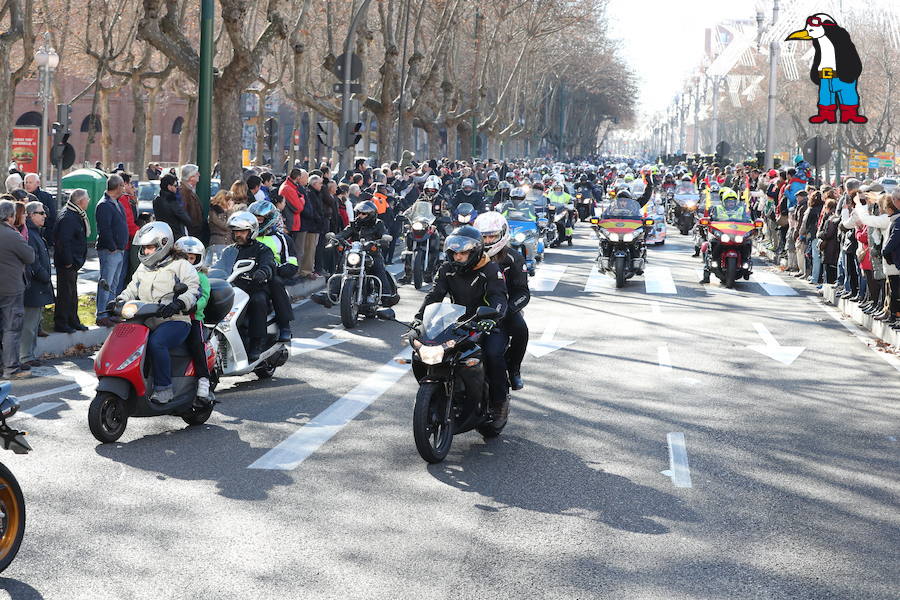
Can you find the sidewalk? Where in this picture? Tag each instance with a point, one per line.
(848, 309)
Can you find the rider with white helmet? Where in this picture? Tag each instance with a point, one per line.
(495, 232)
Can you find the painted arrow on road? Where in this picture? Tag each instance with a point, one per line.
(304, 345)
(546, 345)
(783, 354)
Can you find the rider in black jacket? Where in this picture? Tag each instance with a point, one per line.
(244, 229)
(472, 280)
(495, 233)
(367, 226)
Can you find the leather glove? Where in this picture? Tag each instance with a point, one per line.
(486, 326)
(168, 311)
(416, 323)
(260, 276)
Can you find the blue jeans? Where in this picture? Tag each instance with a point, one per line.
(166, 336)
(816, 262)
(111, 264)
(842, 269)
(834, 91)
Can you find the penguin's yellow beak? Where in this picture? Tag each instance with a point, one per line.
(799, 35)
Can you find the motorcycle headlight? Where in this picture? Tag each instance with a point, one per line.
(133, 357)
(739, 239)
(464, 218)
(520, 237)
(615, 237)
(726, 238)
(691, 205)
(129, 310)
(353, 259)
(431, 355)
(417, 226)
(628, 237)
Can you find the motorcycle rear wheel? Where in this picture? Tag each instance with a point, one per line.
(433, 437)
(418, 269)
(12, 524)
(198, 416)
(106, 417)
(349, 307)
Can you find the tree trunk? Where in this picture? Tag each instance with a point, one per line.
(385, 128)
(260, 129)
(465, 146)
(150, 124)
(188, 132)
(139, 123)
(7, 100)
(452, 133)
(106, 131)
(92, 124)
(228, 104)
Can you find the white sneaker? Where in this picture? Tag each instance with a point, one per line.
(203, 387)
(163, 396)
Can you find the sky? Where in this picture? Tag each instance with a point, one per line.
(663, 40)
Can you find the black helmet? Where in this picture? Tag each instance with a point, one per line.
(365, 212)
(464, 239)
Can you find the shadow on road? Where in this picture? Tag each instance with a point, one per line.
(188, 459)
(19, 590)
(553, 481)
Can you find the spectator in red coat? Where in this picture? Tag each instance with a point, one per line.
(294, 194)
(128, 200)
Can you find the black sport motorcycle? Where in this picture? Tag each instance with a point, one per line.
(454, 395)
(423, 242)
(12, 502)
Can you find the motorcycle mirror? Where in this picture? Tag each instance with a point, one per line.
(385, 314)
(486, 312)
(386, 238)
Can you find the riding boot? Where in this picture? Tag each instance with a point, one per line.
(500, 410)
(254, 350)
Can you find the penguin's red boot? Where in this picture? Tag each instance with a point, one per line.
(827, 114)
(850, 114)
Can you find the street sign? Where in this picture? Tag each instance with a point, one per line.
(723, 149)
(355, 66)
(873, 162)
(355, 88)
(817, 151)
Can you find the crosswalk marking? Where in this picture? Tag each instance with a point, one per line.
(547, 278)
(598, 282)
(773, 284)
(658, 280)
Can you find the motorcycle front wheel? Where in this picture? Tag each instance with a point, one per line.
(418, 269)
(731, 272)
(107, 417)
(349, 307)
(620, 271)
(433, 437)
(12, 521)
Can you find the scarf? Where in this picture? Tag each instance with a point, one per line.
(84, 218)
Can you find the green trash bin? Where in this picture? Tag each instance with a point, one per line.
(94, 181)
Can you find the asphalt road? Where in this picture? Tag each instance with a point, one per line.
(793, 470)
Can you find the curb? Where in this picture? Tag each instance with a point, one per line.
(59, 343)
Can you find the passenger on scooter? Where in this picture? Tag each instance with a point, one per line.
(196, 252)
(154, 281)
(271, 233)
(244, 230)
(472, 280)
(495, 232)
(367, 226)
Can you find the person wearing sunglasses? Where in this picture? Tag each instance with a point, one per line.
(39, 289)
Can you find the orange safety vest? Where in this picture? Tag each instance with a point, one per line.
(381, 202)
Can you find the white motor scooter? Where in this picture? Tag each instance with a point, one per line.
(228, 340)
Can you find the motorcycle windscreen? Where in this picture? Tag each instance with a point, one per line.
(623, 207)
(516, 214)
(223, 267)
(439, 316)
(421, 211)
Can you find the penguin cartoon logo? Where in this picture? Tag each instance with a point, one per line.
(835, 69)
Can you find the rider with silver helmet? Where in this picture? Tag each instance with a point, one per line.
(195, 252)
(495, 232)
(271, 233)
(161, 269)
(472, 280)
(244, 228)
(467, 193)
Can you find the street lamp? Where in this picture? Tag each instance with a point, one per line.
(46, 60)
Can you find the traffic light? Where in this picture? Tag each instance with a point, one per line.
(323, 132)
(64, 117)
(761, 160)
(351, 134)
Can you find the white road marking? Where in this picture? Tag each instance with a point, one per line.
(42, 408)
(713, 287)
(288, 455)
(678, 470)
(394, 269)
(598, 281)
(665, 361)
(547, 278)
(783, 354)
(84, 380)
(772, 284)
(297, 305)
(658, 280)
(304, 345)
(547, 344)
(858, 333)
(50, 392)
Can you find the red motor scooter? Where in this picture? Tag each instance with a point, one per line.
(125, 377)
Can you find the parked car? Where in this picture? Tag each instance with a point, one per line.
(889, 183)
